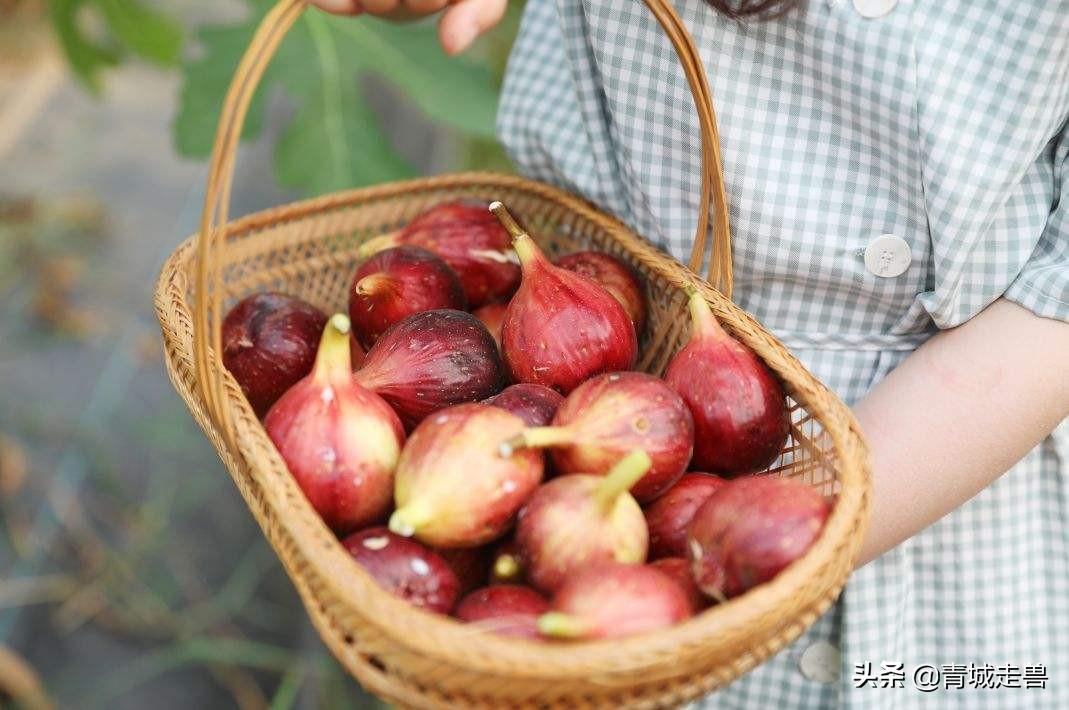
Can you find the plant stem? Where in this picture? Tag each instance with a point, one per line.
(559, 625)
(377, 283)
(333, 359)
(407, 519)
(377, 244)
(621, 477)
(536, 438)
(703, 323)
(506, 567)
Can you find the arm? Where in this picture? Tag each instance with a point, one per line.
(957, 414)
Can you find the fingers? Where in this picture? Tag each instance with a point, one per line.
(340, 7)
(464, 21)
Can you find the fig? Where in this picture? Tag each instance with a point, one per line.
(356, 351)
(578, 521)
(534, 404)
(340, 441)
(396, 283)
(405, 568)
(668, 517)
(470, 564)
(269, 343)
(610, 415)
(678, 568)
(748, 531)
(492, 315)
(615, 600)
(740, 412)
(561, 328)
(430, 361)
(507, 609)
(452, 488)
(471, 241)
(506, 566)
(614, 276)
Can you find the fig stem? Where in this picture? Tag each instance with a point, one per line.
(536, 438)
(559, 625)
(621, 477)
(506, 567)
(525, 247)
(377, 244)
(507, 220)
(371, 284)
(333, 358)
(703, 322)
(407, 519)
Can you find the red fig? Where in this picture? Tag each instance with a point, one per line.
(452, 487)
(507, 609)
(405, 568)
(668, 517)
(740, 412)
(580, 521)
(430, 361)
(269, 343)
(751, 529)
(339, 440)
(614, 276)
(561, 328)
(506, 566)
(471, 565)
(396, 283)
(614, 600)
(356, 352)
(611, 414)
(679, 570)
(492, 315)
(471, 241)
(534, 404)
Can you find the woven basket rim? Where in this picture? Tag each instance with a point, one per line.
(761, 608)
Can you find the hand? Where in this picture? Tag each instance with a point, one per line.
(461, 21)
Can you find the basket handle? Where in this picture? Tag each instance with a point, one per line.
(273, 28)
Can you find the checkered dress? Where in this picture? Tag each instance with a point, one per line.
(942, 122)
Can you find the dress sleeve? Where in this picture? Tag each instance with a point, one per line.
(1042, 285)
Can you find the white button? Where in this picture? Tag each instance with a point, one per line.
(821, 662)
(874, 8)
(888, 256)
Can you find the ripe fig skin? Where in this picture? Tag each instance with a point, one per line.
(452, 487)
(340, 441)
(506, 609)
(740, 412)
(430, 361)
(614, 276)
(534, 404)
(678, 568)
(405, 568)
(396, 283)
(492, 315)
(613, 601)
(561, 328)
(569, 525)
(470, 240)
(751, 529)
(471, 565)
(609, 415)
(269, 343)
(669, 516)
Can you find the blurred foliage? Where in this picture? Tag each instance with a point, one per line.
(97, 34)
(335, 139)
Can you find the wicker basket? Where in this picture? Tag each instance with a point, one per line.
(401, 653)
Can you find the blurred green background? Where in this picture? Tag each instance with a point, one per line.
(131, 575)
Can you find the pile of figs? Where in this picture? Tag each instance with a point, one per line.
(474, 433)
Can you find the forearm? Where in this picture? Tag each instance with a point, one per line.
(958, 413)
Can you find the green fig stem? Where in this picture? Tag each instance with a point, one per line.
(621, 477)
(536, 438)
(333, 358)
(408, 519)
(506, 567)
(376, 283)
(525, 247)
(703, 323)
(558, 625)
(377, 244)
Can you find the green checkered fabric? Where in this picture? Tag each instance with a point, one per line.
(941, 122)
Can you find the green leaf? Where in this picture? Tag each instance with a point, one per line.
(85, 57)
(456, 92)
(206, 80)
(149, 34)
